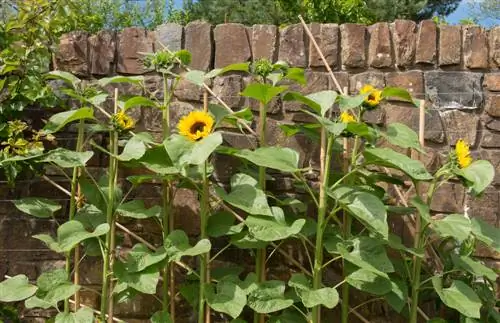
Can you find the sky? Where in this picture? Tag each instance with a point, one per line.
(462, 12)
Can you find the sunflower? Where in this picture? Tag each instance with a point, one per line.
(196, 125)
(462, 152)
(374, 96)
(123, 121)
(346, 117)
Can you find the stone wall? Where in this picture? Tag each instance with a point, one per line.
(455, 68)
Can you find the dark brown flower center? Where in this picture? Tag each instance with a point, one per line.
(197, 126)
(371, 97)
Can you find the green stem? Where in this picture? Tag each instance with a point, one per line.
(417, 261)
(260, 256)
(326, 156)
(203, 235)
(72, 202)
(347, 234)
(106, 272)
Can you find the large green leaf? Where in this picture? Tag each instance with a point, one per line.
(369, 282)
(138, 101)
(399, 93)
(68, 78)
(279, 158)
(141, 257)
(37, 206)
(245, 240)
(237, 67)
(474, 267)
(51, 279)
(135, 148)
(183, 151)
(486, 233)
(366, 207)
(401, 135)
(61, 119)
(266, 228)
(327, 296)
(262, 92)
(16, 289)
(229, 298)
(144, 281)
(136, 209)
(389, 158)
(67, 158)
(83, 315)
(321, 102)
(347, 102)
(70, 234)
(158, 161)
(459, 296)
(221, 224)
(398, 297)
(246, 196)
(368, 253)
(422, 208)
(177, 245)
(161, 317)
(269, 297)
(453, 225)
(137, 80)
(479, 175)
(52, 297)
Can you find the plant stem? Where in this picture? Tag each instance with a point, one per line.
(106, 294)
(417, 265)
(326, 152)
(347, 234)
(260, 256)
(72, 212)
(204, 208)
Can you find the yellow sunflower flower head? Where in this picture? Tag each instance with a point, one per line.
(123, 121)
(196, 125)
(462, 152)
(374, 96)
(346, 117)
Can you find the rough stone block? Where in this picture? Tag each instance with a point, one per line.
(492, 82)
(493, 156)
(228, 88)
(131, 42)
(426, 42)
(413, 81)
(450, 45)
(454, 90)
(449, 198)
(231, 45)
(492, 106)
(490, 140)
(475, 47)
(357, 81)
(401, 112)
(404, 36)
(460, 125)
(353, 39)
(316, 81)
(102, 52)
(199, 42)
(264, 41)
(380, 48)
(72, 55)
(188, 91)
(434, 131)
(141, 306)
(292, 47)
(327, 37)
(494, 38)
(169, 35)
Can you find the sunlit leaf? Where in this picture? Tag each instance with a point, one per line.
(37, 206)
(16, 289)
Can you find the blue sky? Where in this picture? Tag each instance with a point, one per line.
(462, 12)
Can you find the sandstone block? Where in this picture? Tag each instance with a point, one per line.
(231, 45)
(475, 47)
(494, 38)
(327, 37)
(449, 197)
(199, 42)
(493, 156)
(434, 131)
(405, 35)
(169, 35)
(492, 106)
(454, 90)
(490, 140)
(460, 125)
(72, 54)
(426, 42)
(357, 81)
(264, 41)
(413, 81)
(102, 52)
(292, 47)
(380, 48)
(131, 42)
(188, 91)
(353, 38)
(450, 45)
(228, 89)
(316, 81)
(492, 82)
